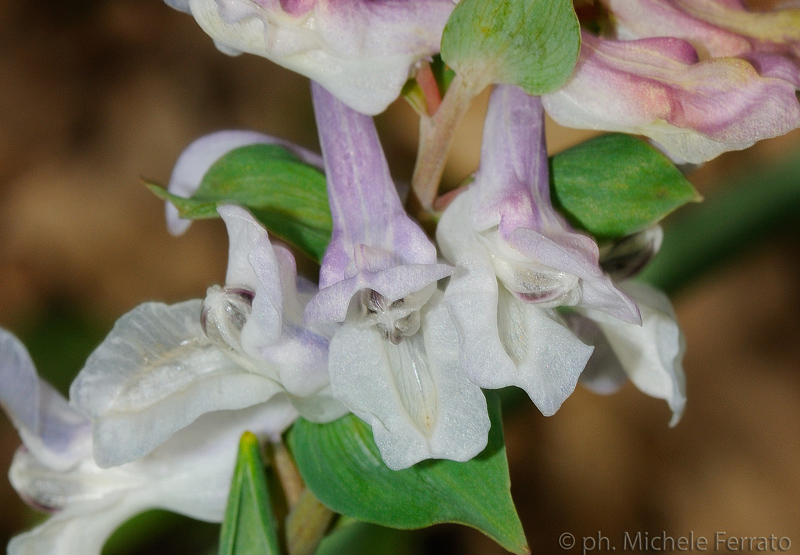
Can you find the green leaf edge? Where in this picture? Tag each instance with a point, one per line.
(311, 237)
(482, 75)
(513, 540)
(673, 184)
(249, 485)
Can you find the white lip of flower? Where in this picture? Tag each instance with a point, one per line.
(394, 320)
(529, 280)
(650, 355)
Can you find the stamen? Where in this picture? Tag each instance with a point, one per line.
(396, 319)
(224, 314)
(536, 283)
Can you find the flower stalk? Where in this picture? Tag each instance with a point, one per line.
(436, 133)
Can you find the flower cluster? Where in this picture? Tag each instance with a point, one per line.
(399, 330)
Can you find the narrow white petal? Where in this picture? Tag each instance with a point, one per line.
(55, 432)
(652, 354)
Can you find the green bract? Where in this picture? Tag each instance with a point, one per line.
(533, 44)
(342, 466)
(285, 194)
(615, 185)
(249, 525)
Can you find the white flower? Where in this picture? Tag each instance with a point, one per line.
(394, 360)
(54, 470)
(161, 367)
(517, 259)
(650, 355)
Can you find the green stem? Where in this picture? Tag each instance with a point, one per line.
(435, 136)
(307, 524)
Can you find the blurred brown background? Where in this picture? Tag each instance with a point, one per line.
(97, 94)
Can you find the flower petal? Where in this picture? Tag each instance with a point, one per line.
(375, 244)
(154, 374)
(363, 52)
(652, 354)
(414, 395)
(512, 194)
(657, 88)
(504, 341)
(93, 501)
(198, 157)
(54, 432)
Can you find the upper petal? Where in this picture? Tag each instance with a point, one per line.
(374, 244)
(657, 88)
(363, 52)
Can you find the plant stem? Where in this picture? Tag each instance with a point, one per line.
(435, 135)
(307, 524)
(291, 481)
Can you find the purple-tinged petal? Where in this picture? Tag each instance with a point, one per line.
(770, 41)
(51, 430)
(502, 340)
(645, 19)
(696, 110)
(535, 252)
(375, 244)
(198, 157)
(363, 51)
(775, 26)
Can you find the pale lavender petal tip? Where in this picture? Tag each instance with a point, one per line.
(54, 432)
(374, 245)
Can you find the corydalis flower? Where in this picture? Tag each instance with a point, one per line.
(54, 470)
(162, 367)
(770, 40)
(658, 87)
(517, 259)
(650, 355)
(360, 50)
(394, 361)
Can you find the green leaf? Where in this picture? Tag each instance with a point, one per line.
(342, 465)
(287, 195)
(249, 525)
(533, 44)
(615, 185)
